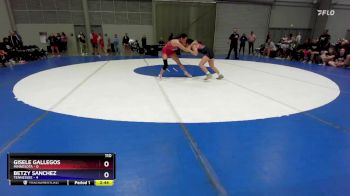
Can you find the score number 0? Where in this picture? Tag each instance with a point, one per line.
(106, 164)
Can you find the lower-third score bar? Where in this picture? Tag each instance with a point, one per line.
(62, 182)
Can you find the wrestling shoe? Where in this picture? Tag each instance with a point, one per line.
(220, 77)
(208, 77)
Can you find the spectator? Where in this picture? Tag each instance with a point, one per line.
(82, 43)
(116, 44)
(324, 41)
(6, 44)
(270, 49)
(94, 42)
(251, 40)
(315, 51)
(125, 43)
(233, 39)
(19, 37)
(328, 56)
(345, 44)
(347, 61)
(9, 53)
(303, 50)
(288, 45)
(12, 51)
(14, 40)
(242, 40)
(109, 46)
(144, 41)
(339, 59)
(3, 58)
(101, 44)
(342, 43)
(312, 50)
(135, 46)
(64, 41)
(53, 40)
(298, 39)
(59, 43)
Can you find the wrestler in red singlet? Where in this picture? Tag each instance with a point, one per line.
(169, 50)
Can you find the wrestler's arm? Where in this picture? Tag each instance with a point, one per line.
(194, 48)
(179, 45)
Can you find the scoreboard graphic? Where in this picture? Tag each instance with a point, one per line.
(84, 169)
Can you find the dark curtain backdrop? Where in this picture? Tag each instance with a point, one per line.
(195, 19)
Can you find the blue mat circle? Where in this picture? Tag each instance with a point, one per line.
(172, 71)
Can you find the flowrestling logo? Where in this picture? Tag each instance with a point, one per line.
(325, 12)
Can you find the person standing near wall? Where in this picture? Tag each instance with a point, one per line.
(101, 44)
(143, 41)
(125, 43)
(19, 37)
(59, 42)
(109, 46)
(116, 44)
(242, 40)
(94, 42)
(82, 42)
(53, 44)
(14, 40)
(233, 39)
(251, 41)
(64, 41)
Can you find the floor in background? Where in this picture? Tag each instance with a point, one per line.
(280, 128)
